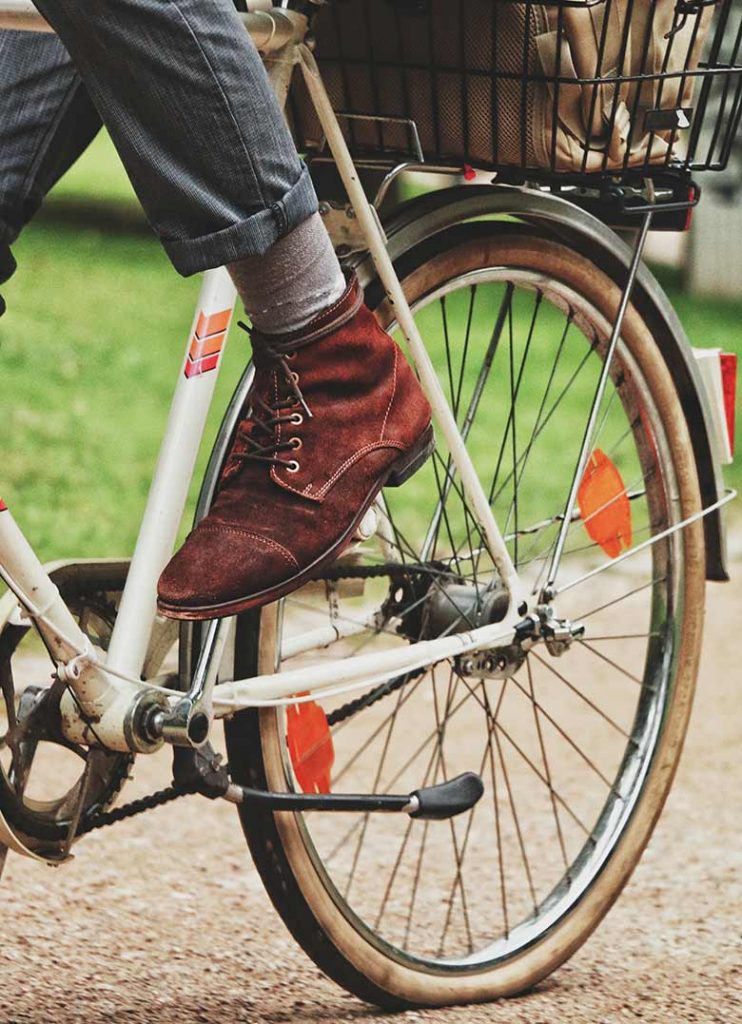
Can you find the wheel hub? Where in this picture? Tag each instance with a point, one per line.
(428, 608)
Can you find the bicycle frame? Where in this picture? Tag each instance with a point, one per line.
(104, 691)
(108, 691)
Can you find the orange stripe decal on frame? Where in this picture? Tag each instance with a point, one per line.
(207, 343)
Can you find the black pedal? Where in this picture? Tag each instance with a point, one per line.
(437, 803)
(200, 771)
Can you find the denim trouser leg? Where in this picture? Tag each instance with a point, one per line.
(186, 99)
(46, 121)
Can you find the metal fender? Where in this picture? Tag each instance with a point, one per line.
(420, 220)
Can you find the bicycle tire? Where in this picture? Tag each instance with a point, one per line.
(331, 930)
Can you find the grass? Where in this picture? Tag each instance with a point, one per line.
(89, 353)
(97, 176)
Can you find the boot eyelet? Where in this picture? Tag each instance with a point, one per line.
(292, 467)
(297, 418)
(296, 443)
(291, 355)
(295, 377)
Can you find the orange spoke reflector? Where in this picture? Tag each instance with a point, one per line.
(310, 746)
(604, 505)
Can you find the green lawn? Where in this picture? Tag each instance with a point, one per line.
(98, 176)
(89, 352)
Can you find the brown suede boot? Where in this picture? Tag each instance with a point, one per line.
(335, 414)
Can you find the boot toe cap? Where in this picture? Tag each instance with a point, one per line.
(219, 564)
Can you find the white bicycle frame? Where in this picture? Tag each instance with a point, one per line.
(105, 690)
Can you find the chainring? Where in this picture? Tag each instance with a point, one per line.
(31, 742)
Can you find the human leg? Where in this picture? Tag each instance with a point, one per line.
(194, 118)
(191, 111)
(46, 121)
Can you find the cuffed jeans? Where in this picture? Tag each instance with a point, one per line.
(185, 97)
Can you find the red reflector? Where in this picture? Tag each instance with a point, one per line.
(728, 362)
(604, 505)
(310, 746)
(469, 173)
(3, 506)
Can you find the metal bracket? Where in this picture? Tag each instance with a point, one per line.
(343, 228)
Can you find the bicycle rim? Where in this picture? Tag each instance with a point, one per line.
(576, 749)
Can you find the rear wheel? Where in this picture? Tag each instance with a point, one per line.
(576, 743)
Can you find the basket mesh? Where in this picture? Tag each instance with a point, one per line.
(473, 76)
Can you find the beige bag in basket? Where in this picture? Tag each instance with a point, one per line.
(593, 117)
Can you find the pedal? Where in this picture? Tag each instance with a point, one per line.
(200, 771)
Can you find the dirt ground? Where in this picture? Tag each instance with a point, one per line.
(163, 919)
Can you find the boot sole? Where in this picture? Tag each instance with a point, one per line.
(399, 472)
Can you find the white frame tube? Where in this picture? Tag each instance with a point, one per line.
(172, 478)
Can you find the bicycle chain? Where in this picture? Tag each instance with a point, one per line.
(130, 810)
(345, 711)
(356, 572)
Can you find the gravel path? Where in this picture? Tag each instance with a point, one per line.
(164, 920)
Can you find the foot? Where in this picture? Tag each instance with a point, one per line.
(335, 414)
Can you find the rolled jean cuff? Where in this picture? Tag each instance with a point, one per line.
(250, 237)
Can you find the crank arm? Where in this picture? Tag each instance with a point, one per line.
(187, 723)
(432, 803)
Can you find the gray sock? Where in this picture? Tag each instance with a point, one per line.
(293, 282)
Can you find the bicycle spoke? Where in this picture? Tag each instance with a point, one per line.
(611, 662)
(367, 816)
(496, 801)
(457, 878)
(580, 694)
(379, 729)
(623, 597)
(441, 724)
(547, 771)
(430, 738)
(565, 736)
(498, 726)
(556, 741)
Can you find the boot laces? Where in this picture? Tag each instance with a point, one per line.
(265, 416)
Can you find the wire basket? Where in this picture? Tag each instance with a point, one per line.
(567, 90)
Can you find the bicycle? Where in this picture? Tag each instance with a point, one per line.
(548, 565)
